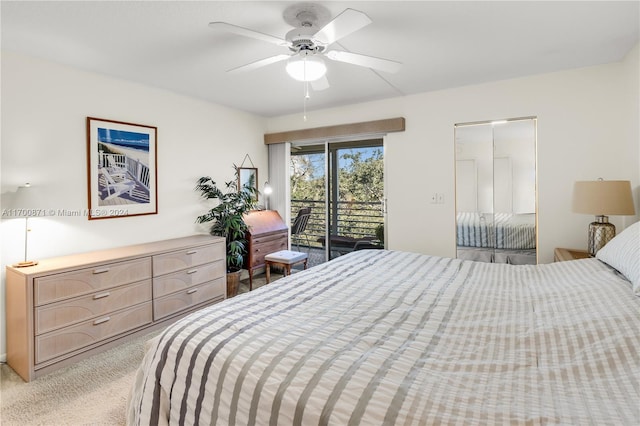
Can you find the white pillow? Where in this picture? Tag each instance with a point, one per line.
(623, 254)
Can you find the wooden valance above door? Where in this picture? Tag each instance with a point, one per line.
(388, 125)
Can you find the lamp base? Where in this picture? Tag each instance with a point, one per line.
(600, 233)
(25, 264)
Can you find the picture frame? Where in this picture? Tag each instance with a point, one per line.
(248, 176)
(121, 169)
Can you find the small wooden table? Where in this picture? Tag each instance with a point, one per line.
(286, 259)
(563, 254)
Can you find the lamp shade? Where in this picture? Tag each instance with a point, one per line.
(27, 201)
(306, 68)
(603, 197)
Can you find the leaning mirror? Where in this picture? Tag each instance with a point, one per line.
(248, 177)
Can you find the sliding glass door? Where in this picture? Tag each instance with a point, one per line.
(342, 183)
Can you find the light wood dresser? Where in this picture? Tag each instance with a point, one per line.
(67, 308)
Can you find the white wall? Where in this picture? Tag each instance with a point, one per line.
(44, 108)
(587, 128)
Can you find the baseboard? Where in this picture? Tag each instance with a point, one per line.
(3, 358)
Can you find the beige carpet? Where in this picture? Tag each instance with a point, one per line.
(91, 392)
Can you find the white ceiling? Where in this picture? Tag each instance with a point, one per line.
(168, 44)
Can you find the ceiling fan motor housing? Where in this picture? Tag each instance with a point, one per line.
(301, 40)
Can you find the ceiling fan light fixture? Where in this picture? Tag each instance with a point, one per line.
(306, 68)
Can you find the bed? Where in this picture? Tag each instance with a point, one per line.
(386, 337)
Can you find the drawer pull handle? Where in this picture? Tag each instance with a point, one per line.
(101, 295)
(191, 291)
(193, 271)
(192, 251)
(100, 271)
(101, 320)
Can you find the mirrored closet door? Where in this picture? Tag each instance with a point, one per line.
(496, 191)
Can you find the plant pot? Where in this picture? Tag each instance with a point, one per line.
(233, 282)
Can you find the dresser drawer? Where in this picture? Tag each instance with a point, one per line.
(177, 260)
(185, 299)
(265, 248)
(181, 280)
(270, 238)
(61, 314)
(68, 339)
(89, 280)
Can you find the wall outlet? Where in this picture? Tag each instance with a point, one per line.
(437, 198)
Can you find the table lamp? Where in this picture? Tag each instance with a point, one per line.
(602, 198)
(25, 203)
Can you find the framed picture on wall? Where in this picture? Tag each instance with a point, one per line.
(248, 177)
(122, 169)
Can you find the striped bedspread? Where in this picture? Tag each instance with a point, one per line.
(500, 230)
(383, 337)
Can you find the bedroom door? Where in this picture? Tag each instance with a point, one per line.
(496, 191)
(343, 184)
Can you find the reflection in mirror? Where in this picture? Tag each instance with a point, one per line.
(496, 191)
(248, 176)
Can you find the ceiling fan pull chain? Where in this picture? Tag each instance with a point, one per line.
(305, 88)
(304, 68)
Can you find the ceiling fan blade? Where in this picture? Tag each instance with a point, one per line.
(365, 61)
(259, 63)
(320, 84)
(347, 22)
(246, 32)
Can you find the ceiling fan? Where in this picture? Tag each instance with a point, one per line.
(308, 43)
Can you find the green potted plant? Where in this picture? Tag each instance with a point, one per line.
(228, 221)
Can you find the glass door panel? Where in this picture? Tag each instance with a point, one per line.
(308, 173)
(343, 184)
(356, 194)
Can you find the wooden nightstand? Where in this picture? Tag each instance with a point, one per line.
(562, 254)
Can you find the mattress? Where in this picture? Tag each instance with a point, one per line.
(499, 230)
(385, 337)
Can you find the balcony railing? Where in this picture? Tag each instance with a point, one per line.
(138, 170)
(355, 219)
